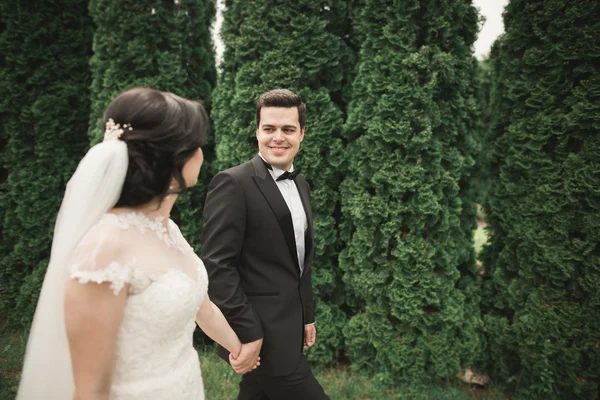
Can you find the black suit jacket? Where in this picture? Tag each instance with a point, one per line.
(249, 250)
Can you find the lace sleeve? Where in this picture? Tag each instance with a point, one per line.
(103, 256)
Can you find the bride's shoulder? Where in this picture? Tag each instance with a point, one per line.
(105, 255)
(108, 233)
(112, 232)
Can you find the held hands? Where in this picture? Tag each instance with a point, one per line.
(248, 359)
(310, 335)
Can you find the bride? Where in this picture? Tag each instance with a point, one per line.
(124, 290)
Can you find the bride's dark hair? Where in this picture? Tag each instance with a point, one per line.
(166, 132)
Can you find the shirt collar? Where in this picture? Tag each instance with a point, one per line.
(275, 172)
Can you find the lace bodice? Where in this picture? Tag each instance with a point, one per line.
(166, 284)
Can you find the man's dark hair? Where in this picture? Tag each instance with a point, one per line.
(281, 98)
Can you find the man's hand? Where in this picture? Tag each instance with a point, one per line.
(248, 358)
(310, 335)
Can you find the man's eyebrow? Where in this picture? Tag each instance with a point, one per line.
(284, 126)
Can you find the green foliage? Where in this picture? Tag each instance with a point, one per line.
(408, 260)
(294, 45)
(163, 45)
(542, 274)
(44, 110)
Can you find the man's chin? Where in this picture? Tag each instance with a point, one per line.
(279, 164)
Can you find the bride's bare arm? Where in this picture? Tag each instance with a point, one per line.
(211, 320)
(93, 314)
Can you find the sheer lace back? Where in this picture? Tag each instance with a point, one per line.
(129, 248)
(166, 284)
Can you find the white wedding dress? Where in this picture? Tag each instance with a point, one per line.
(166, 284)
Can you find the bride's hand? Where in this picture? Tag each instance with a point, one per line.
(248, 359)
(236, 354)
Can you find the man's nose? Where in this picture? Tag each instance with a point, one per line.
(278, 135)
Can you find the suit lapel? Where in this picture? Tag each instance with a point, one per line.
(271, 192)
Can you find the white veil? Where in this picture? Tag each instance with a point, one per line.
(93, 189)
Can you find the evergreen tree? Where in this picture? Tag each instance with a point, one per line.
(165, 45)
(408, 258)
(3, 170)
(294, 45)
(542, 268)
(44, 108)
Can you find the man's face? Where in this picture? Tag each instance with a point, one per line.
(279, 135)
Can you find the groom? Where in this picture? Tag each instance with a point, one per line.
(258, 249)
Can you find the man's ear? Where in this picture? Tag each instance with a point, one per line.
(302, 134)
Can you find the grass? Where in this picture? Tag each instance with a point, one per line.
(221, 383)
(12, 347)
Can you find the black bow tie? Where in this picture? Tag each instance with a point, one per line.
(288, 175)
(285, 175)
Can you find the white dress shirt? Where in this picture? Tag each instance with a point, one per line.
(289, 191)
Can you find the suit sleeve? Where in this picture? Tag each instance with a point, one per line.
(307, 291)
(222, 238)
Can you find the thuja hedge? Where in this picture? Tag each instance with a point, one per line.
(44, 109)
(406, 227)
(542, 268)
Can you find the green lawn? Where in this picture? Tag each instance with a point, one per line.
(221, 382)
(340, 384)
